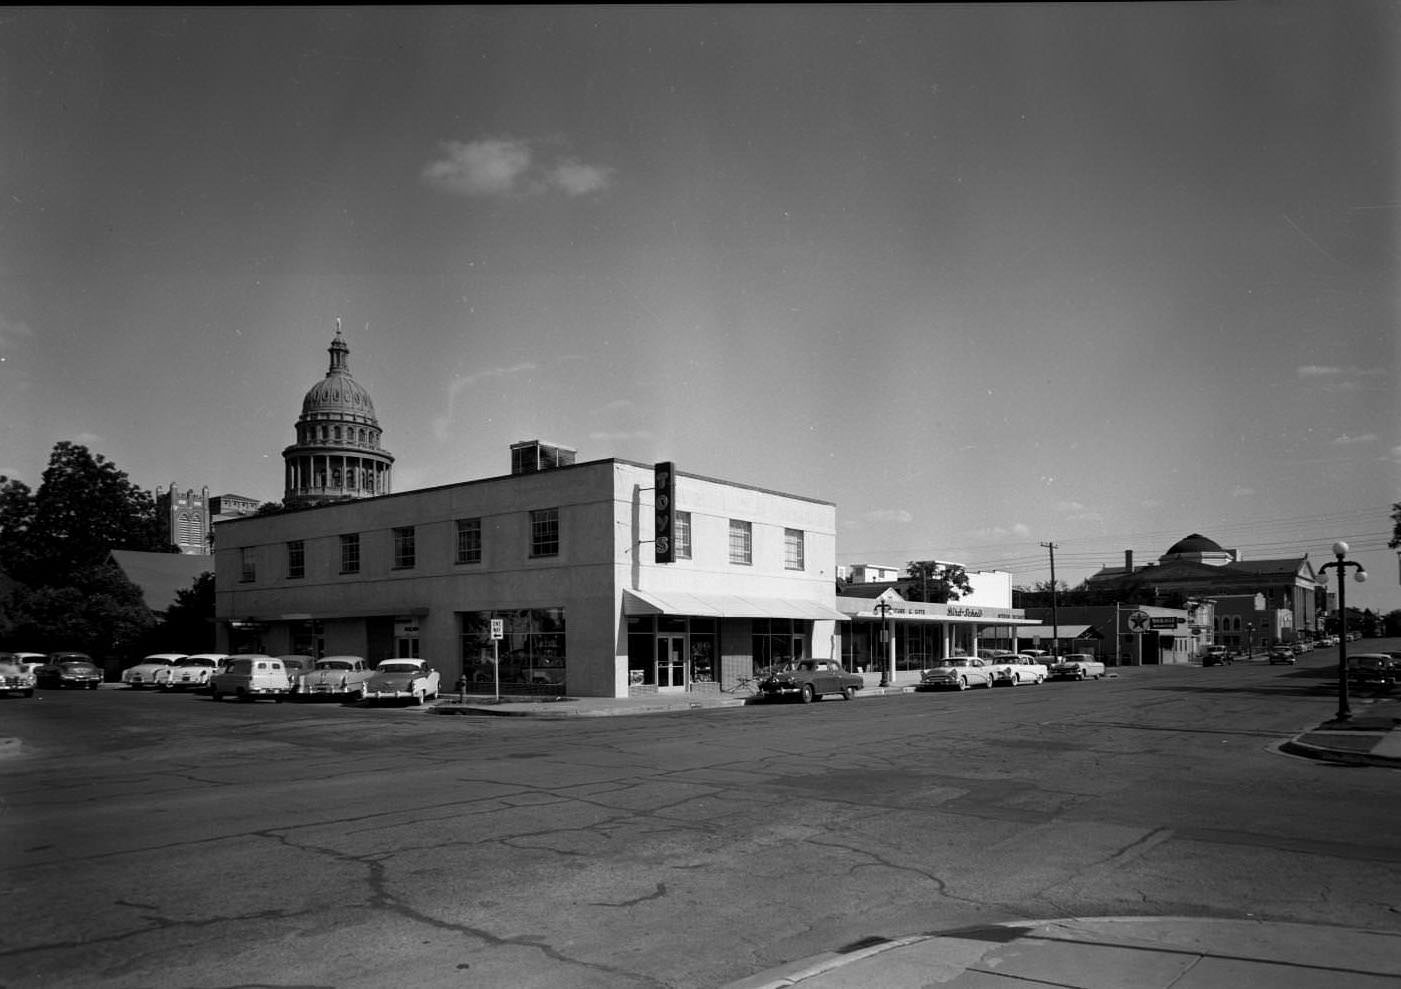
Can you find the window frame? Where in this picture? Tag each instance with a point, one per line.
(466, 552)
(681, 535)
(741, 551)
(405, 548)
(350, 552)
(296, 559)
(247, 566)
(794, 552)
(544, 533)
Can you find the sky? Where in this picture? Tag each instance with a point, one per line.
(987, 277)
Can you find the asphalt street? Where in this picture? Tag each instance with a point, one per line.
(164, 840)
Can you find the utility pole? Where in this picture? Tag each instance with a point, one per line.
(1055, 623)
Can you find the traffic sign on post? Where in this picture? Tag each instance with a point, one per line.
(498, 628)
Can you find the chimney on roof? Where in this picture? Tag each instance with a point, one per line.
(1128, 561)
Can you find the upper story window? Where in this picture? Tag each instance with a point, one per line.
(247, 569)
(544, 532)
(469, 540)
(793, 549)
(296, 559)
(681, 535)
(741, 542)
(403, 547)
(350, 553)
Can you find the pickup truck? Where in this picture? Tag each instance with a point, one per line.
(809, 679)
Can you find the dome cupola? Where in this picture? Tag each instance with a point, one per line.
(337, 455)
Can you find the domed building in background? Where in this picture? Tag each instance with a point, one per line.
(337, 456)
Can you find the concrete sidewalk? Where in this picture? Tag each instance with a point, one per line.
(1107, 953)
(1372, 737)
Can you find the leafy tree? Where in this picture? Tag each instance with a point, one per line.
(84, 508)
(932, 581)
(98, 611)
(189, 621)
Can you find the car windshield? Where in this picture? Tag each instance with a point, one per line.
(195, 662)
(77, 667)
(1368, 662)
(956, 661)
(399, 667)
(333, 664)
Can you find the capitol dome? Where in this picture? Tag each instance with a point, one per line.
(337, 455)
(1197, 548)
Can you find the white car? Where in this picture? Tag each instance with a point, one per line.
(1077, 666)
(334, 676)
(151, 671)
(403, 679)
(1015, 670)
(957, 673)
(193, 672)
(250, 677)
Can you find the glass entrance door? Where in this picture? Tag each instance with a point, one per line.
(671, 663)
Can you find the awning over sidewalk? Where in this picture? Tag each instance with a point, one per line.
(725, 606)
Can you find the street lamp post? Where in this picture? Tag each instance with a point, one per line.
(1340, 565)
(1250, 638)
(885, 664)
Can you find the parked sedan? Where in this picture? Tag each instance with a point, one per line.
(956, 673)
(809, 680)
(334, 676)
(69, 669)
(151, 671)
(1014, 670)
(14, 678)
(403, 679)
(1077, 666)
(193, 672)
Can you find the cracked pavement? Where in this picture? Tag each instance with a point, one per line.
(156, 840)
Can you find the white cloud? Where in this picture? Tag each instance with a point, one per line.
(1069, 506)
(888, 515)
(1241, 491)
(1346, 440)
(1316, 371)
(577, 179)
(1018, 530)
(442, 423)
(506, 166)
(639, 434)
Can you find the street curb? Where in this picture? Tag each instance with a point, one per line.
(1339, 756)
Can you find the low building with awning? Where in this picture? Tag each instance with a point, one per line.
(604, 578)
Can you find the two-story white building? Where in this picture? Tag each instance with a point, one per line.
(561, 562)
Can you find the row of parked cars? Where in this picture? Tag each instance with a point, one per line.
(811, 679)
(993, 667)
(245, 676)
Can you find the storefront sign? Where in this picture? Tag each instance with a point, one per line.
(1168, 621)
(664, 499)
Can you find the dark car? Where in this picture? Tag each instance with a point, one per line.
(69, 669)
(1373, 670)
(1281, 654)
(809, 679)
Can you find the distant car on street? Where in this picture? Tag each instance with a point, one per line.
(1373, 671)
(1077, 666)
(1281, 654)
(956, 673)
(809, 680)
(1216, 656)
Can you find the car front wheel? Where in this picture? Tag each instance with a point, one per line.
(848, 693)
(807, 694)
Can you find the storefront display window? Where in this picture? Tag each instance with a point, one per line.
(531, 652)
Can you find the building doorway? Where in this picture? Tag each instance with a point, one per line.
(671, 663)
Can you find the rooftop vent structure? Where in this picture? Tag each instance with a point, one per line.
(533, 456)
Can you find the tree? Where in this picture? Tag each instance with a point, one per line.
(98, 611)
(189, 621)
(84, 508)
(932, 581)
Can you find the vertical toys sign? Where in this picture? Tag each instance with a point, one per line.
(664, 499)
